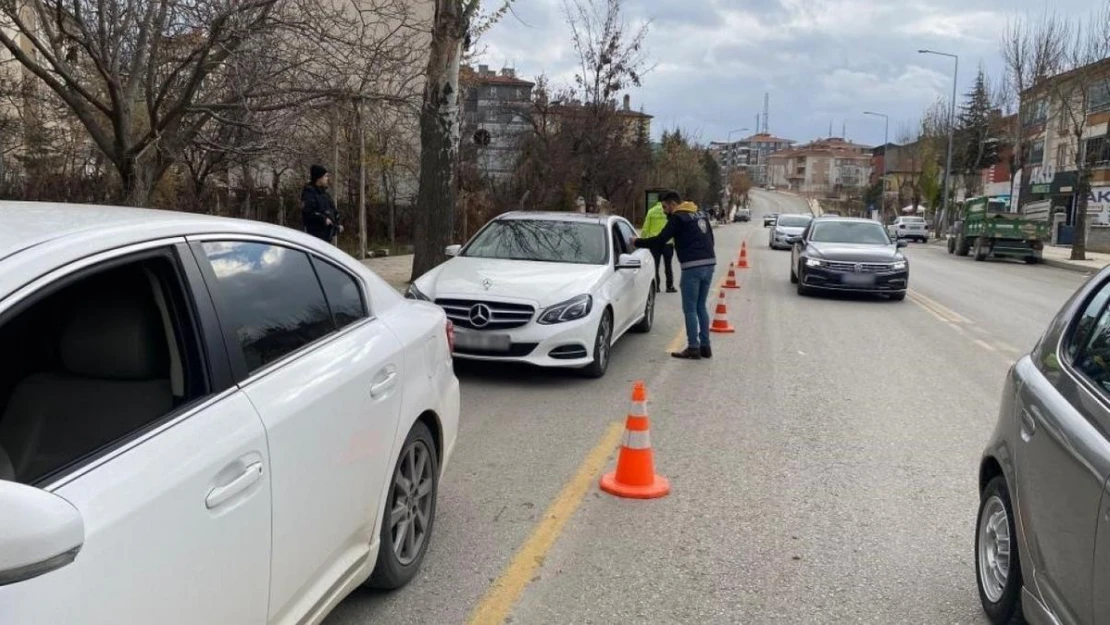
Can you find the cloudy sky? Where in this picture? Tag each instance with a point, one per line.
(821, 61)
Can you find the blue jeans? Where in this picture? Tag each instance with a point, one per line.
(695, 284)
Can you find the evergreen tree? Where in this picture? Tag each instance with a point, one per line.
(976, 140)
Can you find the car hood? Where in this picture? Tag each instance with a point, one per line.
(542, 283)
(856, 252)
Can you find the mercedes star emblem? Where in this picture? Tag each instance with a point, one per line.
(480, 315)
(859, 267)
(486, 284)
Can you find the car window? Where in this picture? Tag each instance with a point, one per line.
(794, 221)
(344, 295)
(269, 297)
(101, 358)
(541, 240)
(857, 232)
(621, 244)
(628, 232)
(1091, 322)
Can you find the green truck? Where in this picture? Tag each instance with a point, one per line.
(987, 228)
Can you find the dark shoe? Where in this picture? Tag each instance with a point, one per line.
(690, 353)
(706, 351)
(671, 289)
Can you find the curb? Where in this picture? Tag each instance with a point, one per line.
(1069, 266)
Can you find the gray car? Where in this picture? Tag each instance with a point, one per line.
(1042, 543)
(787, 226)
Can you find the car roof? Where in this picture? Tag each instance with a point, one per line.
(24, 225)
(558, 216)
(851, 219)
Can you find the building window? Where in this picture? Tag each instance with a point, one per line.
(1036, 152)
(1099, 97)
(1035, 112)
(1096, 152)
(1063, 156)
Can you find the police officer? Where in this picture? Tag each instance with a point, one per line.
(693, 243)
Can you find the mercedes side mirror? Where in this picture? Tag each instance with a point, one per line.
(452, 250)
(628, 261)
(39, 532)
(793, 239)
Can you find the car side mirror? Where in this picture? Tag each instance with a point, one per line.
(452, 250)
(902, 243)
(628, 261)
(792, 239)
(39, 532)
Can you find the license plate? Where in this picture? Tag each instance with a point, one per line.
(482, 341)
(858, 279)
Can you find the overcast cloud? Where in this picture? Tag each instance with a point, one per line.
(822, 61)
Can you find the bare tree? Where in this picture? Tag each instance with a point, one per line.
(1032, 49)
(1082, 89)
(455, 24)
(611, 59)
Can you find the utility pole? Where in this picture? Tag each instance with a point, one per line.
(951, 126)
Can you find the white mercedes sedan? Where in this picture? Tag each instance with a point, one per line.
(549, 289)
(208, 420)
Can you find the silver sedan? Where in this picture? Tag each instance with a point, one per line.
(1042, 542)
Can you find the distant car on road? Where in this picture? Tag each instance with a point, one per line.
(912, 228)
(208, 420)
(742, 214)
(1042, 541)
(549, 289)
(785, 227)
(848, 254)
(769, 219)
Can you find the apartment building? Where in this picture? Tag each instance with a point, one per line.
(750, 154)
(832, 168)
(495, 106)
(1048, 112)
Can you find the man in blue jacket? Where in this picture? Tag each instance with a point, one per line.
(693, 243)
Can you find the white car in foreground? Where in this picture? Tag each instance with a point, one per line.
(208, 420)
(549, 289)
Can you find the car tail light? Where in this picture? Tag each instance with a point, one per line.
(450, 327)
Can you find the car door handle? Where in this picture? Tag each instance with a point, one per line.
(385, 385)
(1028, 423)
(222, 494)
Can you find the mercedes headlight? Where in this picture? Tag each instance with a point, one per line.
(574, 308)
(415, 293)
(813, 262)
(898, 266)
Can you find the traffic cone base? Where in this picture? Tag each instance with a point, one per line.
(720, 317)
(635, 477)
(658, 488)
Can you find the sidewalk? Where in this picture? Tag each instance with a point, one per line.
(395, 270)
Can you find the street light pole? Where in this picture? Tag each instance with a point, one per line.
(951, 126)
(886, 159)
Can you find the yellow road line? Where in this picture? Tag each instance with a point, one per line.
(985, 345)
(502, 596)
(678, 342)
(940, 309)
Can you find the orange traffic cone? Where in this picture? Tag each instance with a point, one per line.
(743, 255)
(731, 282)
(635, 476)
(720, 317)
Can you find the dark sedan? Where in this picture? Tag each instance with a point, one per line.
(853, 255)
(769, 219)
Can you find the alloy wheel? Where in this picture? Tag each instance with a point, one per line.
(994, 548)
(410, 516)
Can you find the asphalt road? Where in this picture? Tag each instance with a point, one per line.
(823, 464)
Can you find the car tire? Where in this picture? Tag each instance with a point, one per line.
(951, 245)
(603, 344)
(393, 570)
(980, 253)
(793, 275)
(1031, 260)
(802, 288)
(898, 297)
(1001, 600)
(644, 325)
(963, 247)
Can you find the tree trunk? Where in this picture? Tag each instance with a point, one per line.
(433, 224)
(1082, 190)
(137, 181)
(362, 240)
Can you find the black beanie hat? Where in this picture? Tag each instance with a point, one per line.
(316, 172)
